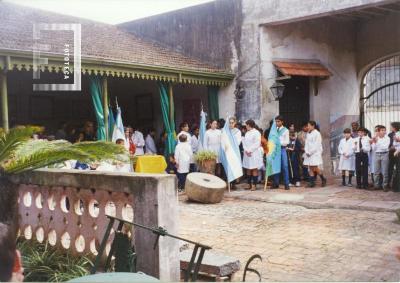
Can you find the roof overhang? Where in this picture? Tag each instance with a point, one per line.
(108, 67)
(303, 68)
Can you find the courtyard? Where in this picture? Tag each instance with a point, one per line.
(299, 243)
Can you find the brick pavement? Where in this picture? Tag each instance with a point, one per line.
(332, 196)
(297, 243)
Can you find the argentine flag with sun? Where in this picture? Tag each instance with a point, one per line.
(273, 165)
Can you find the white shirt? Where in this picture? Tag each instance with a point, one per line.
(212, 141)
(365, 142)
(252, 144)
(139, 142)
(346, 147)
(194, 144)
(183, 156)
(313, 149)
(237, 135)
(381, 145)
(396, 144)
(188, 137)
(283, 136)
(252, 141)
(150, 145)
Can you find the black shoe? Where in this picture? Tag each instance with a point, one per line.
(358, 186)
(287, 187)
(311, 185)
(275, 187)
(343, 184)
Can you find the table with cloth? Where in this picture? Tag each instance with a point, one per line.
(150, 164)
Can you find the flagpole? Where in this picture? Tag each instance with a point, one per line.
(266, 181)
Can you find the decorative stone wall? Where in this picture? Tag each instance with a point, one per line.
(71, 218)
(68, 210)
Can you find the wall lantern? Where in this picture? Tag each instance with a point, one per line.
(277, 90)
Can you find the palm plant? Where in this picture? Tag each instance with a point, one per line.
(19, 153)
(43, 263)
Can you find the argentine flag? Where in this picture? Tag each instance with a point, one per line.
(202, 129)
(274, 152)
(118, 132)
(230, 155)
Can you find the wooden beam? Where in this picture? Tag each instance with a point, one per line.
(105, 105)
(4, 100)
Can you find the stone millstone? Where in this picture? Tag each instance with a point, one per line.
(204, 188)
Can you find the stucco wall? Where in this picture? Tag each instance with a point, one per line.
(314, 40)
(376, 39)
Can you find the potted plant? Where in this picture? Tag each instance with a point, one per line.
(206, 161)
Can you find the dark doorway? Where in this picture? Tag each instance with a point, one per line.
(294, 106)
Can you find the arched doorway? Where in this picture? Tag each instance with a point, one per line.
(380, 100)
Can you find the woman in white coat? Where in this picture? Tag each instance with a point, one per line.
(313, 154)
(347, 163)
(252, 158)
(212, 142)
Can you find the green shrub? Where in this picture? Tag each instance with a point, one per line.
(44, 263)
(204, 155)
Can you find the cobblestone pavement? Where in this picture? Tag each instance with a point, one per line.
(296, 243)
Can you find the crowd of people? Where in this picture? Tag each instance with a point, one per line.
(376, 155)
(301, 152)
(365, 156)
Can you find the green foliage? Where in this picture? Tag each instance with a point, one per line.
(204, 155)
(43, 263)
(10, 141)
(19, 153)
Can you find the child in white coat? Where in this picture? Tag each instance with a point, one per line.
(183, 157)
(347, 157)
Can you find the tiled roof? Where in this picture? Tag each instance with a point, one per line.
(100, 41)
(308, 69)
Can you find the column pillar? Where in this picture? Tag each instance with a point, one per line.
(171, 104)
(4, 100)
(105, 105)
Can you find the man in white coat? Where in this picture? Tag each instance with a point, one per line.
(139, 142)
(347, 157)
(313, 154)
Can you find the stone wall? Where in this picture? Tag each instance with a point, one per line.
(68, 210)
(206, 31)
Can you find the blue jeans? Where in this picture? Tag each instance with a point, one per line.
(181, 180)
(284, 169)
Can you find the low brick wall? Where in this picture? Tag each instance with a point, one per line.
(68, 209)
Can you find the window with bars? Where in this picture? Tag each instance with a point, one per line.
(380, 101)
